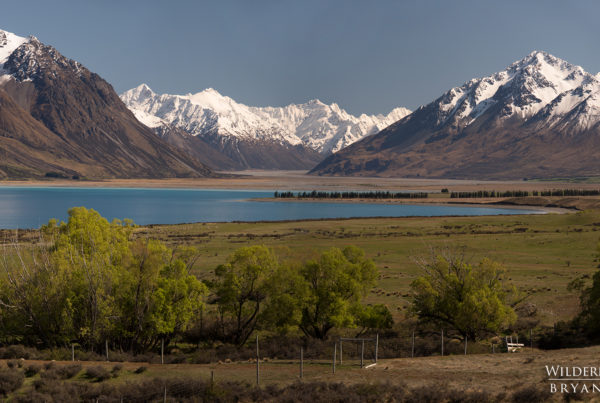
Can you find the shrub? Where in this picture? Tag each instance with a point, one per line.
(98, 373)
(46, 390)
(62, 372)
(32, 370)
(17, 351)
(531, 394)
(12, 364)
(10, 380)
(116, 370)
(141, 370)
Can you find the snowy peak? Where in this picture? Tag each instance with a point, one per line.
(142, 91)
(537, 118)
(522, 89)
(320, 127)
(9, 42)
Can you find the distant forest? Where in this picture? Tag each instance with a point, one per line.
(524, 193)
(349, 195)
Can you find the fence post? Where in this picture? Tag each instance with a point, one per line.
(334, 357)
(340, 351)
(362, 353)
(162, 351)
(531, 339)
(257, 365)
(72, 352)
(165, 396)
(442, 342)
(301, 362)
(466, 341)
(376, 346)
(413, 345)
(106, 346)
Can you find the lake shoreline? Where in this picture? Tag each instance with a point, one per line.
(427, 202)
(299, 181)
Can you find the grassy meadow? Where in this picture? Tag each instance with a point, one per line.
(541, 253)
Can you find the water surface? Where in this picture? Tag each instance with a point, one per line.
(30, 207)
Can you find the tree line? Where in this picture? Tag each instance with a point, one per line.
(91, 282)
(525, 193)
(350, 195)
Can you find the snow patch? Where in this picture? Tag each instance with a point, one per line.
(324, 128)
(524, 88)
(8, 43)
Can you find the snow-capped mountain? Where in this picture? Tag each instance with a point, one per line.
(531, 119)
(523, 89)
(313, 125)
(8, 43)
(58, 119)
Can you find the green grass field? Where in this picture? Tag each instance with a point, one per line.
(541, 253)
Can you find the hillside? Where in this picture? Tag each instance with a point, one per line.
(60, 119)
(538, 118)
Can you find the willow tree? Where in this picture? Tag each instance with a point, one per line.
(472, 300)
(241, 290)
(336, 282)
(89, 281)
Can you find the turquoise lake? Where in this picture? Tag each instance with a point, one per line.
(30, 207)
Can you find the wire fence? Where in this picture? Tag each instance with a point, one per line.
(350, 353)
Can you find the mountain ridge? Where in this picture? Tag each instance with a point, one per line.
(539, 117)
(313, 127)
(67, 121)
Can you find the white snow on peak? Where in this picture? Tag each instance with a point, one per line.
(523, 89)
(324, 128)
(9, 42)
(573, 111)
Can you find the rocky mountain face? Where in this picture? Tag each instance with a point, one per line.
(57, 118)
(538, 118)
(290, 137)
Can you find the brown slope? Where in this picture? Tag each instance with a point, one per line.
(196, 147)
(263, 154)
(488, 149)
(86, 116)
(29, 149)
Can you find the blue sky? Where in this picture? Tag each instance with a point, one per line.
(368, 56)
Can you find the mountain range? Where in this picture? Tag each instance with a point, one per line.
(58, 119)
(289, 137)
(538, 118)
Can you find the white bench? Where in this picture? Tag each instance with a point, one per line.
(513, 347)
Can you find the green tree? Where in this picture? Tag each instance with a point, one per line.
(156, 296)
(589, 317)
(88, 281)
(91, 252)
(240, 290)
(34, 298)
(473, 300)
(286, 289)
(371, 317)
(336, 282)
